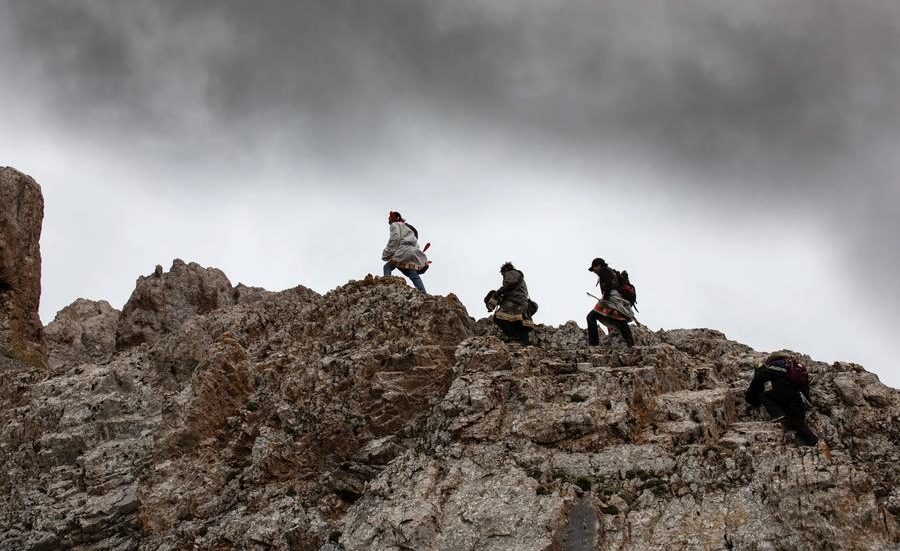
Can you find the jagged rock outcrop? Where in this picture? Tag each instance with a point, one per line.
(82, 332)
(376, 417)
(21, 215)
(162, 301)
(566, 448)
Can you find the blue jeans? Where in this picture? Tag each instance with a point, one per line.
(411, 274)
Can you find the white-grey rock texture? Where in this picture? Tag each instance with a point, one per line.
(84, 330)
(211, 417)
(375, 417)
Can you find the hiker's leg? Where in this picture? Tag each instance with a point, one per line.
(805, 433)
(618, 326)
(593, 334)
(609, 323)
(508, 330)
(415, 278)
(771, 406)
(523, 334)
(624, 330)
(388, 268)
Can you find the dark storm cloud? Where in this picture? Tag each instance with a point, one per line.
(758, 89)
(790, 103)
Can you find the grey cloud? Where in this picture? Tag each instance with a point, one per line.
(760, 90)
(782, 105)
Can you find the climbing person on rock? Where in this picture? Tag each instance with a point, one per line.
(515, 307)
(402, 251)
(789, 398)
(614, 309)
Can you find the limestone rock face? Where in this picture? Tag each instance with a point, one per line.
(645, 448)
(21, 215)
(82, 332)
(376, 417)
(161, 302)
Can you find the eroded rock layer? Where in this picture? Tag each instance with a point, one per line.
(21, 216)
(82, 331)
(375, 417)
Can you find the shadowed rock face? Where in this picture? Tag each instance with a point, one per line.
(21, 216)
(375, 417)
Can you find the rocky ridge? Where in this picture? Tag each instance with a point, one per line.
(374, 417)
(211, 416)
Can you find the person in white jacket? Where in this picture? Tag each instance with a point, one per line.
(402, 251)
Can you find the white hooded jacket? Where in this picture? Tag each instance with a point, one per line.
(403, 248)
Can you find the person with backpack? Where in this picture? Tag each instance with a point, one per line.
(402, 251)
(614, 309)
(515, 306)
(789, 398)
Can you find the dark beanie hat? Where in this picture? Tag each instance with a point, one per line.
(596, 262)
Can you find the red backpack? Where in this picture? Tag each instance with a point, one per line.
(625, 287)
(795, 372)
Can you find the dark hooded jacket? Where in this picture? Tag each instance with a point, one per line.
(795, 400)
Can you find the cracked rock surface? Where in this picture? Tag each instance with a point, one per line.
(207, 416)
(84, 330)
(375, 417)
(21, 217)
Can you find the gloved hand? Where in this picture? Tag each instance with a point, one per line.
(490, 301)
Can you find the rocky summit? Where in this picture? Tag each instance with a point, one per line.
(211, 416)
(375, 417)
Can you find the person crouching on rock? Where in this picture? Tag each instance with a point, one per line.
(789, 398)
(402, 251)
(613, 310)
(515, 307)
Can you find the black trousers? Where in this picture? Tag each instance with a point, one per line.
(621, 326)
(794, 420)
(514, 329)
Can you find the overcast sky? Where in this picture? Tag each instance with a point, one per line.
(740, 160)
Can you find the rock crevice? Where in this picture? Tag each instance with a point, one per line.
(375, 417)
(207, 416)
